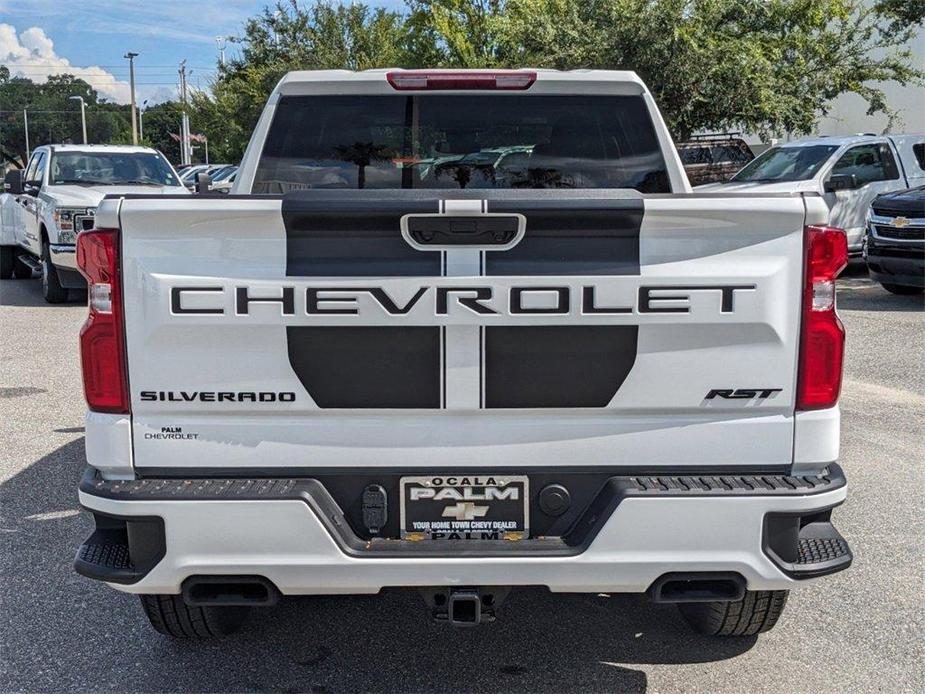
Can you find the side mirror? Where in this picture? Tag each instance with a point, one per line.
(841, 182)
(12, 182)
(203, 183)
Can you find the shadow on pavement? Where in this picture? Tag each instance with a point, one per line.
(29, 293)
(862, 294)
(62, 632)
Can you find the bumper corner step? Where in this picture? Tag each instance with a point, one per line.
(106, 559)
(811, 548)
(121, 550)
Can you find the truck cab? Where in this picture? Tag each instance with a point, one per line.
(847, 172)
(55, 197)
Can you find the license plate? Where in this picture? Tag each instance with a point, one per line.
(465, 507)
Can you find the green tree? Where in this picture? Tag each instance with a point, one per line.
(767, 66)
(287, 37)
(53, 116)
(161, 124)
(456, 33)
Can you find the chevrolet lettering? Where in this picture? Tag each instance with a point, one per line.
(510, 301)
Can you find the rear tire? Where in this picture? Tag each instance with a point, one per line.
(171, 616)
(7, 261)
(52, 290)
(756, 613)
(901, 289)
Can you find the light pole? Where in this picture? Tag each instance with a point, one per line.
(185, 149)
(131, 77)
(83, 114)
(25, 120)
(220, 40)
(141, 120)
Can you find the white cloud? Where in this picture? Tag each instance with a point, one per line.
(32, 54)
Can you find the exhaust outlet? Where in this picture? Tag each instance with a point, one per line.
(204, 591)
(698, 587)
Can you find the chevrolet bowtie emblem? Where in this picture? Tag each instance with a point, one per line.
(464, 510)
(899, 222)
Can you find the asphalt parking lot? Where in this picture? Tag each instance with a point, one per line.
(860, 630)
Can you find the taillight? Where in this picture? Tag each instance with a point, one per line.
(102, 338)
(405, 80)
(822, 340)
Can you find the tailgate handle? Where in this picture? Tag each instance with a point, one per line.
(488, 231)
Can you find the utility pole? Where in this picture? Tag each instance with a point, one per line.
(184, 123)
(83, 114)
(131, 77)
(25, 118)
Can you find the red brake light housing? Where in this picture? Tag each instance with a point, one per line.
(822, 338)
(102, 337)
(416, 80)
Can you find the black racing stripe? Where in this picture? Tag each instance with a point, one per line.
(557, 366)
(347, 235)
(564, 366)
(358, 234)
(368, 367)
(575, 237)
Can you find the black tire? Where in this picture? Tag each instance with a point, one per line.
(171, 616)
(7, 261)
(756, 613)
(79, 295)
(52, 290)
(901, 289)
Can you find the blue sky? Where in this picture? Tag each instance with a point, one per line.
(89, 38)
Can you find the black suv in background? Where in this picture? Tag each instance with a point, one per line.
(895, 243)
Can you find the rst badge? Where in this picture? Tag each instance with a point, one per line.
(464, 507)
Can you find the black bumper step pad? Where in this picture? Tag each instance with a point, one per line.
(817, 550)
(742, 484)
(805, 546)
(111, 556)
(121, 550)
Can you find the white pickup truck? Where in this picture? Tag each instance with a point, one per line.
(461, 331)
(54, 198)
(848, 172)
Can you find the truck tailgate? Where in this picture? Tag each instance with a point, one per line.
(612, 329)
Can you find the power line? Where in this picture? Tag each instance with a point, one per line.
(34, 110)
(145, 67)
(52, 68)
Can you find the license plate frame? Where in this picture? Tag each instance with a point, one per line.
(465, 507)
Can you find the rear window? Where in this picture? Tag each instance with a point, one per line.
(461, 141)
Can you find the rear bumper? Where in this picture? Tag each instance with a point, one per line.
(905, 270)
(153, 534)
(895, 262)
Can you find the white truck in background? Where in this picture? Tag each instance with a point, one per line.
(461, 331)
(55, 197)
(847, 172)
